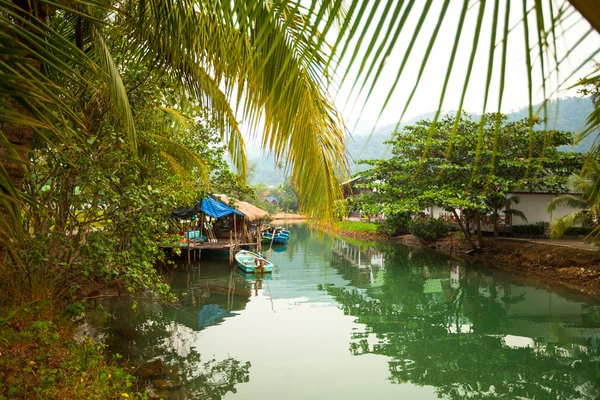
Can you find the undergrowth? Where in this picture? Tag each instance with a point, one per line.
(40, 359)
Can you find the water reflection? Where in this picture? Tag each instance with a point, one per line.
(352, 320)
(468, 333)
(147, 330)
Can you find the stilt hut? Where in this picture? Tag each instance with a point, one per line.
(252, 218)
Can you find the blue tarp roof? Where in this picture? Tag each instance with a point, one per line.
(210, 206)
(271, 199)
(217, 209)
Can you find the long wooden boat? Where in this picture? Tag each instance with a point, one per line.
(251, 262)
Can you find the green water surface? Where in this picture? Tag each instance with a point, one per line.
(340, 320)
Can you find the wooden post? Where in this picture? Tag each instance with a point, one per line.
(234, 228)
(231, 249)
(258, 242)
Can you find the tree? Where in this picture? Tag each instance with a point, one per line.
(588, 203)
(458, 168)
(257, 57)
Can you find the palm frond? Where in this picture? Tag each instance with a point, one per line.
(560, 225)
(567, 200)
(517, 213)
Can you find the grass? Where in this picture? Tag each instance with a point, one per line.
(40, 359)
(356, 226)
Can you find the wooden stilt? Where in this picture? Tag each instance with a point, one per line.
(234, 227)
(231, 249)
(258, 242)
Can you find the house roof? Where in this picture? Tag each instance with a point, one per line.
(271, 199)
(250, 211)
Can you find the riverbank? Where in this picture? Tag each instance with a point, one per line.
(41, 358)
(575, 268)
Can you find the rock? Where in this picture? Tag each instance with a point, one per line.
(152, 369)
(168, 384)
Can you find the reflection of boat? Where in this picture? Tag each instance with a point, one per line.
(279, 247)
(252, 262)
(246, 275)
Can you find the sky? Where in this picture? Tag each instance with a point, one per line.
(427, 96)
(362, 115)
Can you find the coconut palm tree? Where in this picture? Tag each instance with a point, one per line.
(260, 60)
(268, 61)
(496, 205)
(587, 203)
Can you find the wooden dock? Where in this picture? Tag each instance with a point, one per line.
(194, 248)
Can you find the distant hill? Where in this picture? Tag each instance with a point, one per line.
(567, 114)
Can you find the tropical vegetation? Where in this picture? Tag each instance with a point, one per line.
(585, 198)
(114, 112)
(468, 167)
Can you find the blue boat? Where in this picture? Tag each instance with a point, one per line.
(268, 237)
(251, 262)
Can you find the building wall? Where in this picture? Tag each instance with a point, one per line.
(534, 206)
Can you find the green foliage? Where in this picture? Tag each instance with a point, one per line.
(429, 229)
(458, 164)
(586, 203)
(396, 224)
(531, 229)
(358, 226)
(40, 359)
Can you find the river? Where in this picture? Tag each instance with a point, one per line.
(351, 320)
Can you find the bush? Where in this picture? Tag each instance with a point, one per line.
(429, 229)
(579, 230)
(395, 224)
(532, 229)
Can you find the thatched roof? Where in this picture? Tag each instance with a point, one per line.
(251, 212)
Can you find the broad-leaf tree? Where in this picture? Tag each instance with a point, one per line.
(460, 171)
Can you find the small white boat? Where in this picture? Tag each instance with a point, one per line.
(251, 262)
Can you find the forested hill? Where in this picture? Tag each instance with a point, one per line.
(567, 114)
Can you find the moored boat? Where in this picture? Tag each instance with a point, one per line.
(268, 237)
(251, 262)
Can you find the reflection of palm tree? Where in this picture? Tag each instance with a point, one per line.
(588, 203)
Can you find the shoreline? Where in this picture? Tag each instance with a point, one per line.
(556, 266)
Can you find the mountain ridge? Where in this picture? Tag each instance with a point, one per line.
(565, 114)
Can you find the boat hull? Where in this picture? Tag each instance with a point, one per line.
(246, 261)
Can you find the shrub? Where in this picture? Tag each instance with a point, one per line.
(395, 224)
(429, 229)
(532, 229)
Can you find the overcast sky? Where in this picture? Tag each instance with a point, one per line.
(427, 96)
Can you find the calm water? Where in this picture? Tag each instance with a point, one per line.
(340, 320)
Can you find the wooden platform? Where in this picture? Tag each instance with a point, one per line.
(213, 245)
